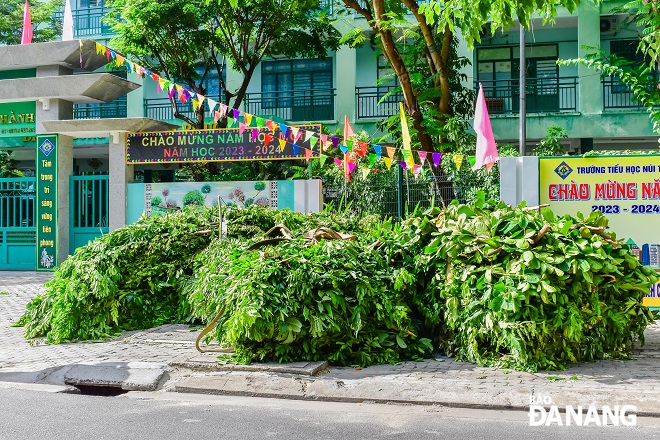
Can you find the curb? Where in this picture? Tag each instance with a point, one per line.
(41, 387)
(447, 393)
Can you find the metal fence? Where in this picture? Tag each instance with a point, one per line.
(617, 95)
(89, 21)
(293, 105)
(376, 102)
(395, 201)
(544, 95)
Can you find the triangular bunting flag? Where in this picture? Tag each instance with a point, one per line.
(255, 134)
(295, 149)
(458, 160)
(324, 140)
(212, 104)
(267, 138)
(171, 93)
(270, 125)
(344, 149)
(422, 156)
(388, 162)
(195, 104)
(201, 99)
(379, 150)
(312, 141)
(362, 148)
(179, 91)
(100, 49)
(436, 158)
(185, 96)
(416, 169)
(406, 156)
(308, 135)
(284, 129)
(338, 162)
(129, 66)
(365, 172)
(296, 134)
(349, 144)
(390, 152)
(120, 60)
(154, 76)
(237, 114)
(223, 110)
(403, 165)
(241, 128)
(260, 122)
(308, 154)
(322, 158)
(248, 118)
(372, 159)
(216, 116)
(351, 167)
(282, 144)
(335, 141)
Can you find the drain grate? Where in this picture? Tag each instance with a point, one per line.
(103, 391)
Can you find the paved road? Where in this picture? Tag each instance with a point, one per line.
(175, 416)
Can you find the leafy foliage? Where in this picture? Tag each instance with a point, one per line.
(124, 280)
(42, 14)
(550, 144)
(485, 282)
(527, 289)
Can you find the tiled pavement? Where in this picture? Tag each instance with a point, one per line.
(440, 380)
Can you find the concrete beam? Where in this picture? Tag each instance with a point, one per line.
(63, 53)
(89, 128)
(79, 89)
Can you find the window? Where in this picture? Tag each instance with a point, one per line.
(283, 81)
(212, 83)
(91, 3)
(305, 86)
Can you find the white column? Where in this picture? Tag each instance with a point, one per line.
(345, 66)
(121, 175)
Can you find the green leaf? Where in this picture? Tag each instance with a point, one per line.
(400, 342)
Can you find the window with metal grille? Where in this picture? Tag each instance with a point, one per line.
(295, 83)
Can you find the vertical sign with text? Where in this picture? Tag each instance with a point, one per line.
(46, 176)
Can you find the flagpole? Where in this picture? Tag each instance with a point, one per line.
(523, 91)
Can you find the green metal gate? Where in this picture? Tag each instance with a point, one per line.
(17, 224)
(89, 209)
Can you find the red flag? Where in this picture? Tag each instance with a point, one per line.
(26, 38)
(348, 130)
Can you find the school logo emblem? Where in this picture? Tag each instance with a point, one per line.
(563, 170)
(46, 147)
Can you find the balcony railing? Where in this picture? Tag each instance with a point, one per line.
(617, 95)
(88, 21)
(293, 105)
(544, 95)
(161, 108)
(374, 102)
(114, 109)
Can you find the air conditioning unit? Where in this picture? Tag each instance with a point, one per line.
(609, 25)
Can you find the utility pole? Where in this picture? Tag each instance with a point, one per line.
(523, 91)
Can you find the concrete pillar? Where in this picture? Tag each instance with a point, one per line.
(345, 68)
(519, 180)
(64, 172)
(52, 110)
(135, 99)
(590, 96)
(121, 175)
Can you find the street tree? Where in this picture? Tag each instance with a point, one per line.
(185, 41)
(46, 25)
(436, 24)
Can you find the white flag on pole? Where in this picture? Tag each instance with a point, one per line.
(67, 26)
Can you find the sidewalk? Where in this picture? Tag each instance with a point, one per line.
(170, 350)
